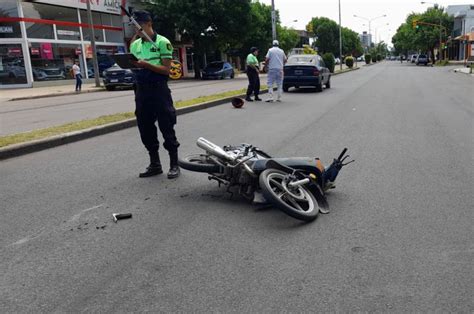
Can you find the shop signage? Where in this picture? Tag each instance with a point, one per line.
(35, 51)
(108, 6)
(6, 29)
(67, 33)
(14, 51)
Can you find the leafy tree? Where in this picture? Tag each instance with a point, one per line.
(327, 33)
(259, 30)
(287, 37)
(424, 37)
(208, 23)
(351, 44)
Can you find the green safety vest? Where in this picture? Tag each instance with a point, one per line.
(144, 50)
(252, 59)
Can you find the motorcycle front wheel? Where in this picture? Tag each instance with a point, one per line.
(199, 163)
(297, 202)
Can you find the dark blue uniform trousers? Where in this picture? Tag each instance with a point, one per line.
(154, 103)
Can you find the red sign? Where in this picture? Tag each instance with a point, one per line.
(35, 51)
(14, 51)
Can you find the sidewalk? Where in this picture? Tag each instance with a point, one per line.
(464, 71)
(36, 92)
(59, 90)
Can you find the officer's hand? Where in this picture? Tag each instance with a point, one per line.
(141, 64)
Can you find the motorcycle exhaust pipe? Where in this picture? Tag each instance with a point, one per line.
(213, 149)
(299, 183)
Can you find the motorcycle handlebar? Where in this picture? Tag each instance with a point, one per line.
(342, 154)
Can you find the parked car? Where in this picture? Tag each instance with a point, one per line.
(39, 75)
(218, 70)
(422, 59)
(413, 58)
(306, 70)
(115, 77)
(52, 73)
(361, 59)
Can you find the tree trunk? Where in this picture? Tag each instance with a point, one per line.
(197, 66)
(433, 57)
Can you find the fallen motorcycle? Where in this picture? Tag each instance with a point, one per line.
(296, 185)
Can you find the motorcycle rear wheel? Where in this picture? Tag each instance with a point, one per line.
(199, 163)
(299, 203)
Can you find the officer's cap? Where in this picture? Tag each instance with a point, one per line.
(142, 16)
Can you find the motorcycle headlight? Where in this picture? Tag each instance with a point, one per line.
(128, 71)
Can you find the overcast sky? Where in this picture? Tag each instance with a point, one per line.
(396, 11)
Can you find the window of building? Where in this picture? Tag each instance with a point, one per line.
(39, 11)
(12, 65)
(9, 29)
(86, 31)
(54, 61)
(65, 31)
(115, 36)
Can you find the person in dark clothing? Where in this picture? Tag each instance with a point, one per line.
(252, 74)
(153, 97)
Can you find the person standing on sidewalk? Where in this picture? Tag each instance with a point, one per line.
(275, 61)
(153, 97)
(252, 74)
(76, 71)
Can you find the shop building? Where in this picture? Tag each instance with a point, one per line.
(41, 39)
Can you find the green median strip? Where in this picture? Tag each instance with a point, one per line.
(103, 120)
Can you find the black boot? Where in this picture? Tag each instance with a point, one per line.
(248, 98)
(257, 98)
(174, 167)
(154, 168)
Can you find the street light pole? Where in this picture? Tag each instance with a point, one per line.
(274, 36)
(370, 24)
(340, 37)
(94, 52)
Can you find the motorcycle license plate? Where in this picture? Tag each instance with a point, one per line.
(113, 81)
(298, 72)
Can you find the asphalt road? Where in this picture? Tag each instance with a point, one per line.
(399, 237)
(26, 115)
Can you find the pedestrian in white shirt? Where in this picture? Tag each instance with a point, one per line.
(76, 70)
(275, 61)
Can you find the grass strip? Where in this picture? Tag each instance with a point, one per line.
(102, 120)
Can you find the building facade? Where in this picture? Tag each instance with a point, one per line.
(41, 39)
(461, 43)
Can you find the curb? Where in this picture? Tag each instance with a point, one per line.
(345, 71)
(66, 138)
(58, 94)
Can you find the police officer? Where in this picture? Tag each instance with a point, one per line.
(252, 74)
(153, 97)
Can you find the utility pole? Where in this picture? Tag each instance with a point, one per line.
(274, 35)
(94, 51)
(340, 38)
